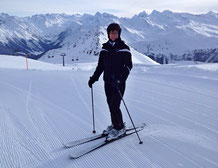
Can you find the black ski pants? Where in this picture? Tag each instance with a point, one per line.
(114, 100)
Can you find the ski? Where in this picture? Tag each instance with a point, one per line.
(83, 141)
(101, 144)
(95, 137)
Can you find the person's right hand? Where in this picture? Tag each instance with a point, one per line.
(91, 82)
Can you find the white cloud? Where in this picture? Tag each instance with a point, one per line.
(116, 7)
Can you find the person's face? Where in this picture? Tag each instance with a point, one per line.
(113, 35)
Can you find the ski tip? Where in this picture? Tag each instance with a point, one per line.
(66, 146)
(73, 157)
(143, 124)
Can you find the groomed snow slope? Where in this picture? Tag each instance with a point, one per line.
(42, 108)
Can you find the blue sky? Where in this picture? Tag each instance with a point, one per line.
(121, 8)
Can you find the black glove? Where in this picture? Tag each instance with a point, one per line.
(91, 81)
(116, 83)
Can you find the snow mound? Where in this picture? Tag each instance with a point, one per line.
(139, 58)
(19, 62)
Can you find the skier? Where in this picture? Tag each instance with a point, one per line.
(116, 62)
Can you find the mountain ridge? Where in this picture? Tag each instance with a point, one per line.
(158, 35)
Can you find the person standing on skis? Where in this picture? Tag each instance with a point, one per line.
(115, 61)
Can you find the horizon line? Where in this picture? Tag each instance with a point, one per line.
(88, 13)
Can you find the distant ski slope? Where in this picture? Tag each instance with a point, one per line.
(49, 105)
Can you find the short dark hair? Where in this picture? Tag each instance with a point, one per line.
(112, 27)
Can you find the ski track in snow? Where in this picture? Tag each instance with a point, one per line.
(181, 117)
(176, 151)
(41, 99)
(100, 109)
(180, 99)
(179, 88)
(166, 111)
(185, 102)
(35, 138)
(80, 96)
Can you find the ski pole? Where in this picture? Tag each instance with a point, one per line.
(140, 141)
(93, 114)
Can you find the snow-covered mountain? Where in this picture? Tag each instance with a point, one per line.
(203, 55)
(163, 36)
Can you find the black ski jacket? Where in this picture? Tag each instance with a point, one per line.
(115, 61)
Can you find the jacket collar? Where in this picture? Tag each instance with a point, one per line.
(118, 43)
